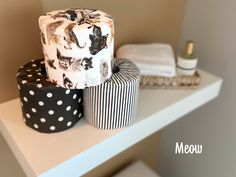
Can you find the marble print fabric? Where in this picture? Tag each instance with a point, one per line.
(78, 44)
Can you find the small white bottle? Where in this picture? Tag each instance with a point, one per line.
(187, 60)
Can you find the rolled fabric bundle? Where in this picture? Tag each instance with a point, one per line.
(113, 104)
(78, 46)
(46, 107)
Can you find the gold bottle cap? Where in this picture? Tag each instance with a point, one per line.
(189, 48)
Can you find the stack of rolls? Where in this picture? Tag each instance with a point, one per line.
(78, 47)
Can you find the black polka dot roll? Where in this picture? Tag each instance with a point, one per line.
(46, 107)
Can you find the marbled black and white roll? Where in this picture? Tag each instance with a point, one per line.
(78, 46)
(46, 107)
(113, 104)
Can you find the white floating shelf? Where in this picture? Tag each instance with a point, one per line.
(78, 150)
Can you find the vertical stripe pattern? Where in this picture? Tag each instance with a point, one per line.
(113, 104)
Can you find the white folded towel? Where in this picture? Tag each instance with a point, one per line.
(151, 59)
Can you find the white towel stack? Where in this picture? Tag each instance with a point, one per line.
(151, 59)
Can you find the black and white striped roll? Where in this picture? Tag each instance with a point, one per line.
(113, 104)
(46, 107)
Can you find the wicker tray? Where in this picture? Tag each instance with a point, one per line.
(181, 81)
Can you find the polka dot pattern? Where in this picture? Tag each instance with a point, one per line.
(52, 128)
(27, 115)
(69, 124)
(25, 99)
(50, 112)
(34, 110)
(74, 96)
(59, 102)
(75, 112)
(39, 85)
(49, 95)
(36, 126)
(68, 108)
(43, 120)
(60, 119)
(41, 103)
(46, 107)
(31, 92)
(23, 81)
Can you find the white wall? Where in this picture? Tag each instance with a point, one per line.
(212, 24)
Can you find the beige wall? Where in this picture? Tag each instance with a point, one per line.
(211, 23)
(19, 41)
(135, 22)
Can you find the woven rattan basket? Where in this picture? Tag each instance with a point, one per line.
(181, 81)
